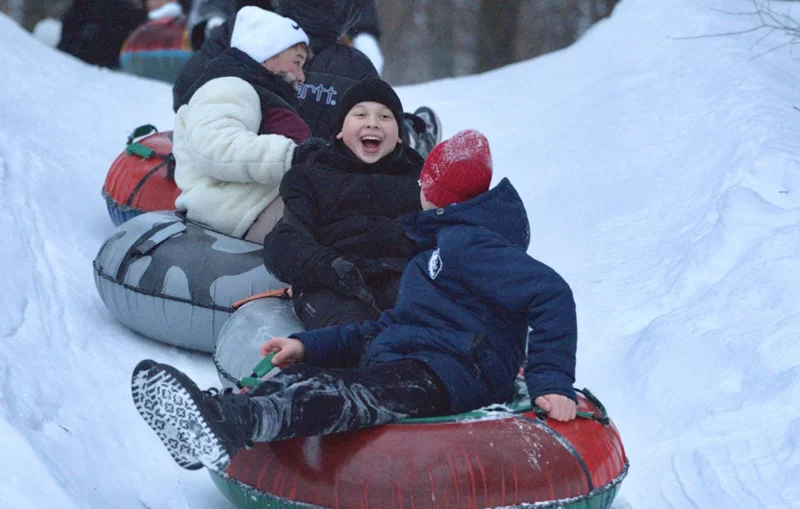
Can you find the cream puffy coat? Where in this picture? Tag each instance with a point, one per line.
(227, 173)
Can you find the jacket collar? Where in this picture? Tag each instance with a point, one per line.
(499, 210)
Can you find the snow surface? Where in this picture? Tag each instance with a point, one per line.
(662, 178)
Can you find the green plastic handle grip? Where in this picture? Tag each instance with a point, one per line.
(264, 366)
(140, 150)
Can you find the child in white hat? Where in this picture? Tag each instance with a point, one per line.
(241, 127)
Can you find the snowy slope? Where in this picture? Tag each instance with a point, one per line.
(662, 179)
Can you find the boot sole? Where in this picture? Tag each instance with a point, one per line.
(172, 411)
(437, 133)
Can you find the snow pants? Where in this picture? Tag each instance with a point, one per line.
(307, 401)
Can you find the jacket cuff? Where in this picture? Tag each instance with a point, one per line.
(315, 341)
(549, 383)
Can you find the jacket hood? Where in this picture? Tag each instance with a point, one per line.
(333, 58)
(499, 210)
(326, 19)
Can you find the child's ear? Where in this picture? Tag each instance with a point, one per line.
(340, 135)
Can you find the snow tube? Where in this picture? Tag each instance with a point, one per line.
(158, 49)
(504, 457)
(238, 343)
(141, 179)
(174, 280)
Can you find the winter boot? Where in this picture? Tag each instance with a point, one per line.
(410, 125)
(433, 126)
(198, 428)
(415, 134)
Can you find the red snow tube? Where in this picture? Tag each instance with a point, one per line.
(509, 457)
(158, 49)
(141, 179)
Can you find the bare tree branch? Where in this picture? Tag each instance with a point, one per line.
(721, 34)
(769, 20)
(732, 13)
(773, 49)
(758, 41)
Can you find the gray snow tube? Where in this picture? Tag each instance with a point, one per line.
(246, 330)
(175, 281)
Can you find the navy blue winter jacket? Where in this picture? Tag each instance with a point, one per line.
(465, 307)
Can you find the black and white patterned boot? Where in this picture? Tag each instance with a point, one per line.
(433, 126)
(423, 130)
(198, 428)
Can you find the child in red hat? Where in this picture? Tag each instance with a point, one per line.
(473, 308)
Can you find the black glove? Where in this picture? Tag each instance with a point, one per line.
(304, 150)
(374, 267)
(347, 280)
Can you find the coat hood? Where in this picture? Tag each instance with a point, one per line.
(499, 210)
(327, 19)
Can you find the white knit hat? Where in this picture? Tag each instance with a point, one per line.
(263, 34)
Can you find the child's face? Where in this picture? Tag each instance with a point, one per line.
(370, 131)
(289, 62)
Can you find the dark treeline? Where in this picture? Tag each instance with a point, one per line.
(430, 39)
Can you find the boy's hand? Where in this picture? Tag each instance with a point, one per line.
(289, 351)
(558, 407)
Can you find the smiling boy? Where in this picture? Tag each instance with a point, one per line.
(370, 131)
(340, 244)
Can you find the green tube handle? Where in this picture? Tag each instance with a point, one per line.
(264, 366)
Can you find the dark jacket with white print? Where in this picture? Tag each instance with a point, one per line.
(474, 307)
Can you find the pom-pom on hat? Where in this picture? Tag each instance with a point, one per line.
(457, 169)
(263, 34)
(371, 90)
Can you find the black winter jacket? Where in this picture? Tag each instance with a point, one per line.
(202, 11)
(339, 206)
(94, 30)
(368, 22)
(322, 19)
(329, 75)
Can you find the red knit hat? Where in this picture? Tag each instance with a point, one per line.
(457, 169)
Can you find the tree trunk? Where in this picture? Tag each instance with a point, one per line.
(497, 33)
(399, 36)
(14, 9)
(440, 17)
